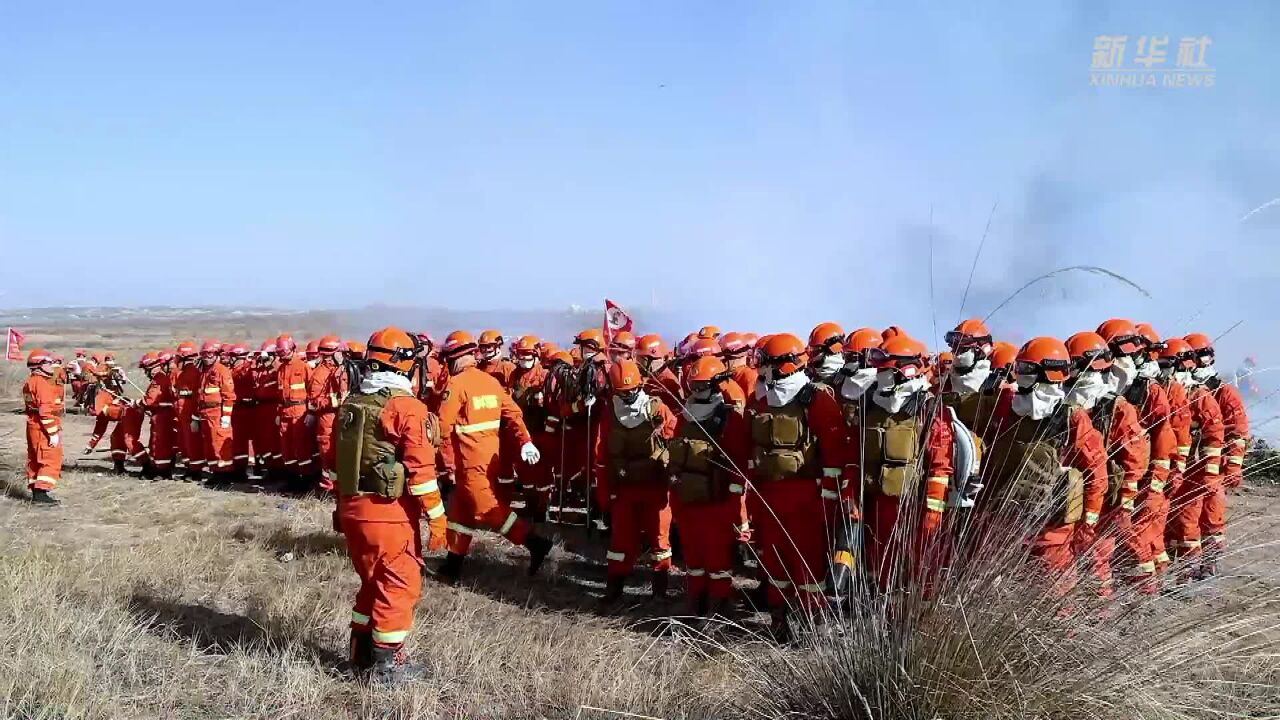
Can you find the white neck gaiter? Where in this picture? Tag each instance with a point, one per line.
(827, 370)
(782, 391)
(373, 382)
(1122, 374)
(1200, 374)
(857, 382)
(1040, 402)
(971, 381)
(898, 395)
(1088, 389)
(631, 414)
(699, 409)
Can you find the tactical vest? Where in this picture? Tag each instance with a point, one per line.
(973, 409)
(638, 455)
(367, 463)
(891, 448)
(1025, 468)
(782, 444)
(1102, 417)
(701, 470)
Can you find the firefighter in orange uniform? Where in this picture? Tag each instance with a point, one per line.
(527, 383)
(186, 387)
(707, 464)
(158, 402)
(326, 388)
(1038, 447)
(1176, 360)
(1097, 385)
(826, 353)
(622, 346)
(473, 414)
(111, 406)
(266, 411)
(1224, 469)
(43, 407)
(736, 353)
(490, 358)
(243, 416)
(386, 481)
(217, 403)
(632, 466)
(659, 380)
(798, 460)
(296, 438)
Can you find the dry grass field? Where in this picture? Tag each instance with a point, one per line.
(137, 599)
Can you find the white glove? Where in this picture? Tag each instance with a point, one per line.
(195, 424)
(278, 421)
(226, 422)
(309, 420)
(54, 439)
(529, 453)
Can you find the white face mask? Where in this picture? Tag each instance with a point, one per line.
(830, 366)
(972, 381)
(1184, 377)
(703, 405)
(857, 383)
(1123, 372)
(1090, 387)
(898, 395)
(783, 390)
(526, 363)
(1040, 402)
(1149, 370)
(489, 354)
(1201, 374)
(633, 413)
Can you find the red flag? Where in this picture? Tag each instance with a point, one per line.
(616, 320)
(13, 350)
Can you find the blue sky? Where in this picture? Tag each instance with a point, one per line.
(755, 164)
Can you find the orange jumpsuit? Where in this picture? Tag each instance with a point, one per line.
(126, 436)
(1235, 421)
(709, 530)
(535, 480)
(745, 377)
(243, 416)
(296, 439)
(266, 413)
(640, 510)
(158, 402)
(788, 512)
(217, 403)
(1180, 425)
(186, 387)
(1153, 500)
(1198, 509)
(472, 414)
(884, 551)
(500, 369)
(1083, 450)
(1127, 446)
(325, 391)
(665, 386)
(42, 403)
(383, 535)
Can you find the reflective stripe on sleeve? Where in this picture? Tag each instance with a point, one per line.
(477, 427)
(612, 556)
(424, 488)
(211, 390)
(394, 637)
(1181, 465)
(298, 386)
(359, 618)
(830, 495)
(1126, 504)
(736, 489)
(935, 504)
(1212, 452)
(812, 587)
(461, 529)
(1091, 518)
(435, 511)
(940, 480)
(510, 523)
(1235, 460)
(1157, 486)
(506, 481)
(1211, 468)
(1162, 464)
(1184, 450)
(831, 472)
(780, 584)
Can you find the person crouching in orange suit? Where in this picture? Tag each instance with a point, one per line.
(42, 403)
(474, 411)
(632, 468)
(217, 402)
(326, 389)
(386, 481)
(707, 464)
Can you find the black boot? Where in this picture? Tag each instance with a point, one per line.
(392, 666)
(165, 473)
(661, 580)
(43, 497)
(450, 570)
(539, 548)
(361, 650)
(613, 591)
(148, 470)
(780, 627)
(219, 481)
(117, 466)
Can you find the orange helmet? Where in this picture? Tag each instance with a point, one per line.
(457, 343)
(425, 340)
(891, 332)
(705, 369)
(1045, 357)
(80, 352)
(591, 339)
(557, 356)
(97, 358)
(186, 350)
(733, 344)
(1003, 354)
(490, 338)
(238, 350)
(356, 348)
(625, 376)
(1088, 350)
(38, 357)
(329, 344)
(1122, 336)
(546, 346)
(623, 342)
(1152, 337)
(709, 332)
(945, 358)
(1178, 354)
(827, 337)
(268, 347)
(165, 356)
(971, 334)
(703, 347)
(750, 339)
(313, 349)
(860, 341)
(906, 355)
(210, 347)
(651, 346)
(392, 348)
(526, 346)
(150, 360)
(285, 345)
(785, 352)
(1201, 347)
